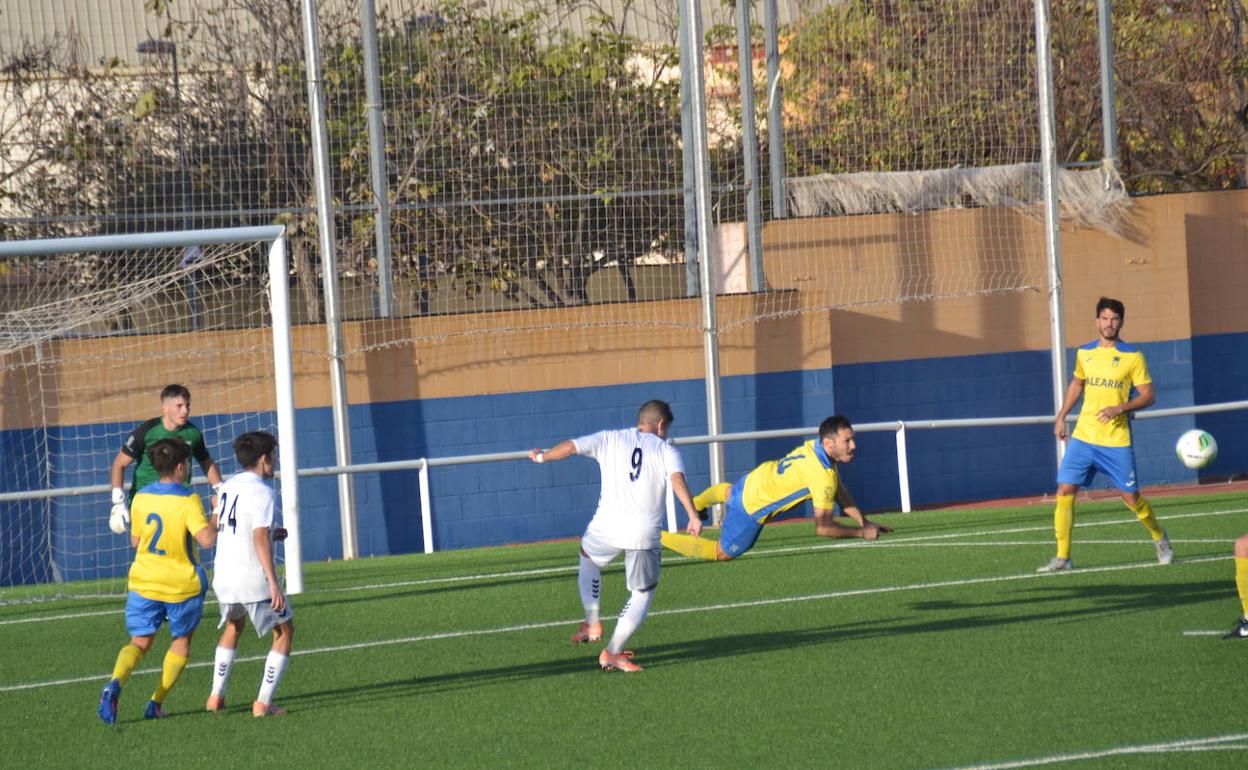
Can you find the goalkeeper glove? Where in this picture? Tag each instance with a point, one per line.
(119, 518)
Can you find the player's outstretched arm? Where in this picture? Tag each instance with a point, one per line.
(563, 449)
(681, 489)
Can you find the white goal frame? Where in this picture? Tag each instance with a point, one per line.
(279, 297)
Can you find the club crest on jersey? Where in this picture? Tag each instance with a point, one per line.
(1116, 360)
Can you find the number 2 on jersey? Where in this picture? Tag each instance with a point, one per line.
(229, 518)
(636, 474)
(160, 529)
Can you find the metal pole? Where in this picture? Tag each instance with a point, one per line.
(688, 158)
(329, 277)
(190, 253)
(775, 113)
(1109, 109)
(377, 159)
(702, 190)
(159, 47)
(287, 450)
(903, 468)
(426, 506)
(1052, 241)
(749, 146)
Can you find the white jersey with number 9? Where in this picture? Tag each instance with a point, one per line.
(635, 468)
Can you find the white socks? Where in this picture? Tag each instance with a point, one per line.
(631, 618)
(222, 664)
(274, 667)
(590, 581)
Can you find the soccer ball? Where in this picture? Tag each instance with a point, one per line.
(1196, 448)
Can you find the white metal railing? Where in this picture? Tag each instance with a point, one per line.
(900, 427)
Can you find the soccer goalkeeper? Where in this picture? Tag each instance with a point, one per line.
(809, 472)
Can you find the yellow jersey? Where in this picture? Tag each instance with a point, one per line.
(165, 517)
(806, 473)
(1108, 374)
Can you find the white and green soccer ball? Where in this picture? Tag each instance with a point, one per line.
(1196, 448)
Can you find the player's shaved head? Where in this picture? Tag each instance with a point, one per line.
(652, 412)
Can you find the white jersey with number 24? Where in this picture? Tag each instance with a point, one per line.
(245, 503)
(635, 467)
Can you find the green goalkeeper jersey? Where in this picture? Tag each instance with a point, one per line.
(149, 433)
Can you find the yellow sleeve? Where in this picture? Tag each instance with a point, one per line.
(1139, 371)
(821, 483)
(195, 519)
(1079, 373)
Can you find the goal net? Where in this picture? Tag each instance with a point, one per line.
(91, 330)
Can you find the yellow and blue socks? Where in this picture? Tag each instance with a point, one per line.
(688, 545)
(1144, 512)
(715, 495)
(1241, 582)
(1064, 524)
(127, 661)
(169, 675)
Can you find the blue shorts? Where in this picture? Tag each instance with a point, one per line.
(740, 530)
(1082, 460)
(144, 616)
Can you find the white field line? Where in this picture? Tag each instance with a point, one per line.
(891, 542)
(1215, 742)
(1204, 632)
(675, 611)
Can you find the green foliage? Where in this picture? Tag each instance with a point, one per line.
(907, 85)
(521, 154)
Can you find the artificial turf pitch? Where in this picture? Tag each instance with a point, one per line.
(938, 646)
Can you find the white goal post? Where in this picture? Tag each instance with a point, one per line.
(90, 327)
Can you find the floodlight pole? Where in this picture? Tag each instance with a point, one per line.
(329, 277)
(154, 47)
(702, 192)
(377, 166)
(1052, 240)
(1109, 110)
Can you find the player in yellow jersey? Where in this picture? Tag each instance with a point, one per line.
(1241, 582)
(809, 472)
(167, 582)
(1106, 371)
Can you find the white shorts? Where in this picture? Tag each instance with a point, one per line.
(641, 568)
(263, 618)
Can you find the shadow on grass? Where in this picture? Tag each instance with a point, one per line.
(1078, 601)
(380, 594)
(1038, 604)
